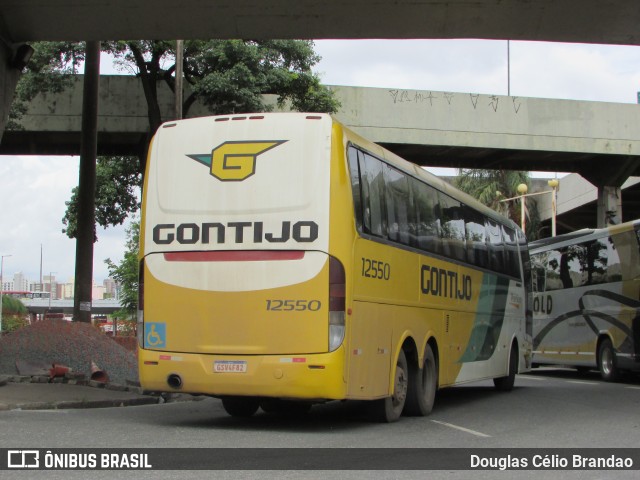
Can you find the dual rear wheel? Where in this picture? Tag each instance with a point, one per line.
(414, 390)
(413, 393)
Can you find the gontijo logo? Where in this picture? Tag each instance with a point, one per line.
(235, 161)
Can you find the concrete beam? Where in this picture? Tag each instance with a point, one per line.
(587, 21)
(493, 131)
(429, 128)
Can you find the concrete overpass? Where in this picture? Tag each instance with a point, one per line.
(588, 21)
(598, 140)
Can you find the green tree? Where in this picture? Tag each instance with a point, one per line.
(14, 314)
(126, 272)
(228, 76)
(117, 185)
(491, 186)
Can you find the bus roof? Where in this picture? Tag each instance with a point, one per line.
(580, 235)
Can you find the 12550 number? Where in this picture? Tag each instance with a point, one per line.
(375, 269)
(293, 305)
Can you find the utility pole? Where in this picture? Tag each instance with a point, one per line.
(87, 185)
(179, 78)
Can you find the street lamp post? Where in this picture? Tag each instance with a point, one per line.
(522, 190)
(554, 205)
(1, 287)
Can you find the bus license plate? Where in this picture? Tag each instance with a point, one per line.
(230, 366)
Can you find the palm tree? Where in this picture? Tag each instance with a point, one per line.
(491, 186)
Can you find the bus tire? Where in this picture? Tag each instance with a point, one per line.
(240, 406)
(389, 409)
(423, 384)
(607, 361)
(505, 384)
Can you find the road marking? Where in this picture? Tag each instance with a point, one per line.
(582, 382)
(466, 430)
(633, 388)
(531, 377)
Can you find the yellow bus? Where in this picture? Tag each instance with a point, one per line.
(286, 261)
(586, 303)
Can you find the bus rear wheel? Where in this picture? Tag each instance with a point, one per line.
(423, 383)
(389, 409)
(607, 361)
(240, 406)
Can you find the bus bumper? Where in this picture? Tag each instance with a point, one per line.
(309, 377)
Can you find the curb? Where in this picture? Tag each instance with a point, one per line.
(74, 404)
(144, 398)
(71, 379)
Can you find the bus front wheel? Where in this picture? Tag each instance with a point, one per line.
(423, 383)
(607, 361)
(240, 406)
(390, 408)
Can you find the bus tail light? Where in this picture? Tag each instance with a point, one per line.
(140, 319)
(336, 303)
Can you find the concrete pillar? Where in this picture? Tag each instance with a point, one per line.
(609, 176)
(609, 206)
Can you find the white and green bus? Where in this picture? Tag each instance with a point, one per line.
(586, 305)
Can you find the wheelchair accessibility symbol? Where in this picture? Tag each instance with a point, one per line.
(155, 335)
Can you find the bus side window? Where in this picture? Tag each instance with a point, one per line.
(614, 266)
(512, 261)
(553, 281)
(372, 183)
(400, 211)
(538, 271)
(354, 173)
(496, 247)
(476, 236)
(453, 234)
(427, 220)
(597, 259)
(573, 266)
(625, 246)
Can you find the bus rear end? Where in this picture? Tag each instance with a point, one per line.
(239, 297)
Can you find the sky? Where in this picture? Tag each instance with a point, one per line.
(33, 190)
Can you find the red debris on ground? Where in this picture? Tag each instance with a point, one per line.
(72, 344)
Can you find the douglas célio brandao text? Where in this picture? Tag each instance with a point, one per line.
(550, 462)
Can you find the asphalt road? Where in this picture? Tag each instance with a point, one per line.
(547, 409)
